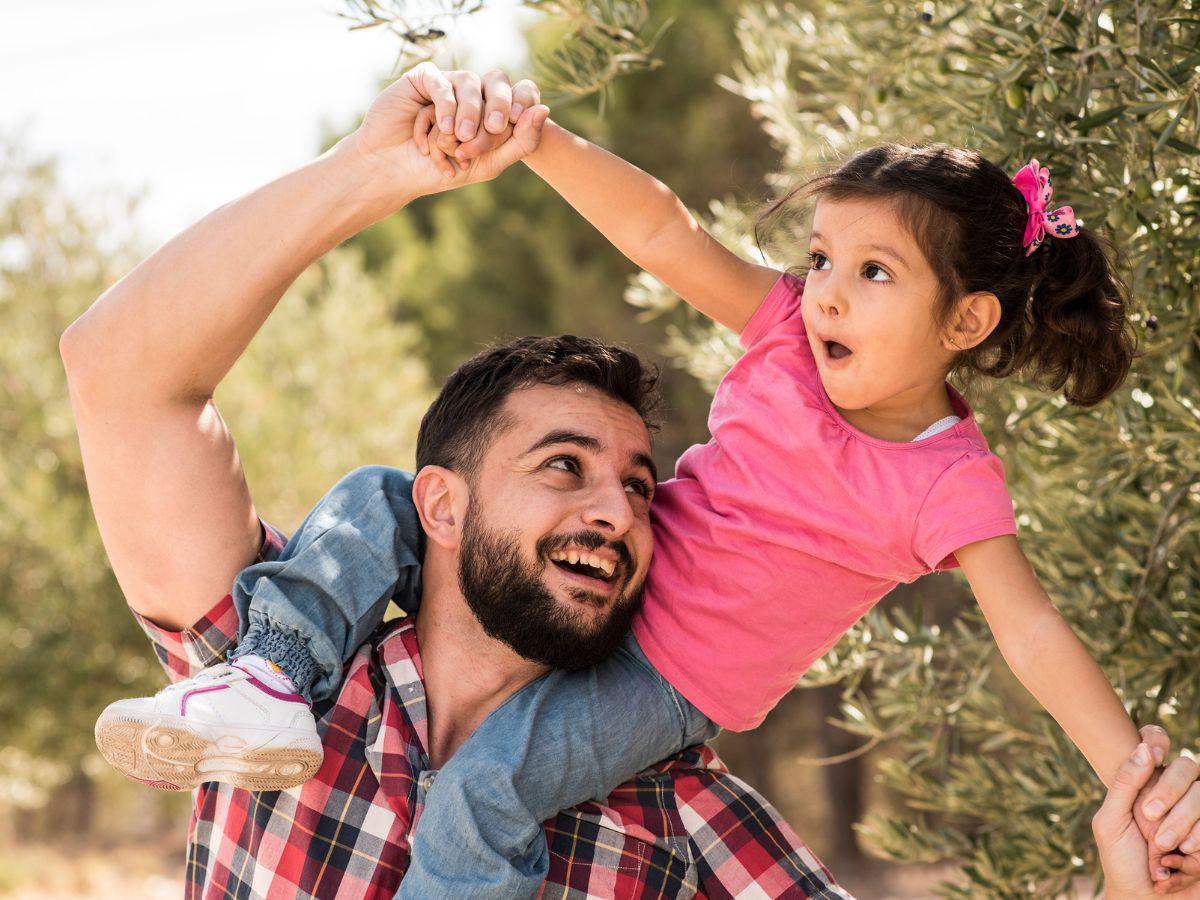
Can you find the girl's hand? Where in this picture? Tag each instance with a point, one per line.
(1167, 813)
(455, 143)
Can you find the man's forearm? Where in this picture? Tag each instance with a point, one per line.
(174, 326)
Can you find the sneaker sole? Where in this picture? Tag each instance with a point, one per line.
(174, 758)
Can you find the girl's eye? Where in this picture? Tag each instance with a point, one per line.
(869, 266)
(812, 260)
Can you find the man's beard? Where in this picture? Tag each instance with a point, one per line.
(512, 603)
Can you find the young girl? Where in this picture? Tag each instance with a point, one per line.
(841, 464)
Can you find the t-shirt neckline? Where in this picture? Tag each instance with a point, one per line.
(957, 401)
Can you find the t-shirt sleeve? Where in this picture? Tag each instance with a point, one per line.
(781, 304)
(207, 641)
(968, 502)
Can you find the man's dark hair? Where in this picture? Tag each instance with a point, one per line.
(467, 413)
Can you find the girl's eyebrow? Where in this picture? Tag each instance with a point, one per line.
(878, 248)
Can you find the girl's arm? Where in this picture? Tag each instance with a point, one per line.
(644, 219)
(1046, 656)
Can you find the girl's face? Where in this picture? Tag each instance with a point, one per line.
(868, 307)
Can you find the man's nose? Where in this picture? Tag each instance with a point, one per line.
(608, 509)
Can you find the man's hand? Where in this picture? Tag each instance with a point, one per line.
(1123, 849)
(458, 102)
(1167, 813)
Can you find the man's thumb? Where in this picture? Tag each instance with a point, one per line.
(1131, 777)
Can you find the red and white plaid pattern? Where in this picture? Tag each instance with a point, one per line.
(683, 828)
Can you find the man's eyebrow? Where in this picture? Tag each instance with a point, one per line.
(587, 442)
(563, 436)
(642, 459)
(879, 248)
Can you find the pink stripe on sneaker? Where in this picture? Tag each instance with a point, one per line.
(289, 696)
(203, 690)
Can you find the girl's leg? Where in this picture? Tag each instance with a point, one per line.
(311, 608)
(566, 738)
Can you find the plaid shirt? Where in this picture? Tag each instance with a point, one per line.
(683, 828)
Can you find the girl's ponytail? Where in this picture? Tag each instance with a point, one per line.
(1079, 338)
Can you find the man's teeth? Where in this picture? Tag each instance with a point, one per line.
(574, 557)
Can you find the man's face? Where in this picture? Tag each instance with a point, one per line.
(556, 541)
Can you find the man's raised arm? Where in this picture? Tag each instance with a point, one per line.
(143, 361)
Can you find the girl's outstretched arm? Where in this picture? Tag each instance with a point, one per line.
(644, 219)
(1046, 656)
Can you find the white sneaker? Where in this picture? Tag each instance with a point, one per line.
(225, 724)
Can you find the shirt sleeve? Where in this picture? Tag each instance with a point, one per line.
(781, 304)
(968, 502)
(207, 641)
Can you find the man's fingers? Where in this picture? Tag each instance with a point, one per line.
(525, 95)
(1173, 783)
(497, 101)
(468, 91)
(432, 83)
(1179, 822)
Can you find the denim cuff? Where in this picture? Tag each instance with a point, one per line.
(287, 649)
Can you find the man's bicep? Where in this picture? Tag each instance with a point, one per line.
(171, 503)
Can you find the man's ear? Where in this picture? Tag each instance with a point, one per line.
(975, 317)
(441, 497)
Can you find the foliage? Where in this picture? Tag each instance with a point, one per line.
(1106, 95)
(598, 41)
(66, 636)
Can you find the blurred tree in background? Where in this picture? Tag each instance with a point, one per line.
(66, 637)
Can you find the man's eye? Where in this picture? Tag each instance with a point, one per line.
(639, 487)
(566, 463)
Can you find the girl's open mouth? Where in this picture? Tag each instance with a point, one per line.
(837, 351)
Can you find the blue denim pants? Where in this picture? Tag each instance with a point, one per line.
(566, 738)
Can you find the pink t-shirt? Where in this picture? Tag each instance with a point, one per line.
(783, 530)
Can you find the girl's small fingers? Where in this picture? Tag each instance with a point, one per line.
(524, 95)
(444, 164)
(422, 125)
(447, 143)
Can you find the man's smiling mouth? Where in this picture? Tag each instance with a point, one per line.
(583, 562)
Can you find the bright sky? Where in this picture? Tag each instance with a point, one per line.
(199, 102)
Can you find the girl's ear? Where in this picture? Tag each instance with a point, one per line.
(441, 497)
(975, 317)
